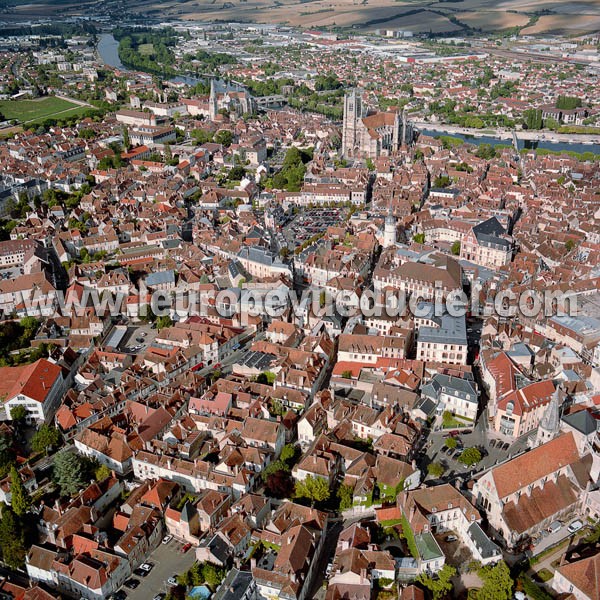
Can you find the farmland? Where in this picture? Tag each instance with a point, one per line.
(367, 15)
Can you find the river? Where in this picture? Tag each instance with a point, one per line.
(528, 144)
(108, 50)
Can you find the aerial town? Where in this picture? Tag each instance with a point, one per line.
(289, 313)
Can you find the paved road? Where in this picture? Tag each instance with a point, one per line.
(333, 533)
(168, 561)
(554, 538)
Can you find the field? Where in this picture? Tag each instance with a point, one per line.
(437, 16)
(146, 49)
(489, 16)
(29, 111)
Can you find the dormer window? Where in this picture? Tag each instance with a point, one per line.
(434, 509)
(449, 505)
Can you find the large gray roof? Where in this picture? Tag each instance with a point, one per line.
(486, 547)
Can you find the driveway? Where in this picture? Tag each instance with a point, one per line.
(168, 561)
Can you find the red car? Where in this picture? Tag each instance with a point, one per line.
(217, 366)
(186, 548)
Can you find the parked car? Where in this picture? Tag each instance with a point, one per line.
(159, 596)
(167, 539)
(140, 572)
(451, 538)
(186, 548)
(575, 526)
(132, 583)
(120, 595)
(147, 566)
(172, 580)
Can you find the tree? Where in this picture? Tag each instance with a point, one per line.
(289, 454)
(435, 469)
(12, 539)
(18, 413)
(70, 473)
(162, 322)
(345, 495)
(455, 249)
(224, 137)
(451, 443)
(7, 454)
(470, 456)
(486, 151)
(419, 238)
(440, 586)
(497, 583)
(442, 181)
(568, 102)
(102, 472)
(19, 497)
(315, 489)
(569, 245)
(279, 484)
(532, 118)
(126, 141)
(44, 438)
(213, 575)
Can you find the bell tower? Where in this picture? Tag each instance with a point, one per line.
(353, 111)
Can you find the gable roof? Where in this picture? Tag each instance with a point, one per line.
(584, 575)
(531, 466)
(34, 380)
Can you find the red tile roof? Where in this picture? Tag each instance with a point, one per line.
(530, 467)
(34, 380)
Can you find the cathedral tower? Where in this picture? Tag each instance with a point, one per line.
(353, 112)
(212, 102)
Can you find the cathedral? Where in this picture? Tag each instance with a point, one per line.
(371, 134)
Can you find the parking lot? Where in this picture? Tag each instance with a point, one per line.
(168, 561)
(310, 222)
(547, 539)
(11, 272)
(495, 449)
(138, 339)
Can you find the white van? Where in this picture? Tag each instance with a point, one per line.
(575, 526)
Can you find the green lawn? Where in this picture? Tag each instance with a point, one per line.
(38, 109)
(146, 49)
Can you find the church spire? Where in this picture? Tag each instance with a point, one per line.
(550, 422)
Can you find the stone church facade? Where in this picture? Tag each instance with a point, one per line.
(371, 134)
